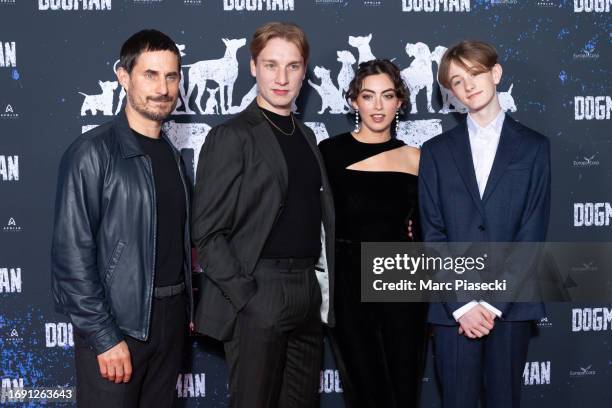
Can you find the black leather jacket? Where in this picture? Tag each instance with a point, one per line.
(104, 239)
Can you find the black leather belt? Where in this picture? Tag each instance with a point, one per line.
(167, 291)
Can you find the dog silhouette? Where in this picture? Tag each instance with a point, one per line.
(212, 107)
(506, 101)
(100, 102)
(418, 75)
(224, 71)
(331, 97)
(363, 47)
(346, 74)
(448, 98)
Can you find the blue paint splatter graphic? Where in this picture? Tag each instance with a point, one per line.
(563, 33)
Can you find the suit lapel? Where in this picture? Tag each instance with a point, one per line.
(462, 154)
(509, 142)
(268, 146)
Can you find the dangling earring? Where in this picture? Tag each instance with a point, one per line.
(396, 121)
(357, 127)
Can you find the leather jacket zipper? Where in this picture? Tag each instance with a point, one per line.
(147, 160)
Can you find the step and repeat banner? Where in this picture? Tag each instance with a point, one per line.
(57, 80)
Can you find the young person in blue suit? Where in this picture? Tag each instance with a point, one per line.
(486, 180)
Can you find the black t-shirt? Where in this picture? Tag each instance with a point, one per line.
(170, 200)
(296, 233)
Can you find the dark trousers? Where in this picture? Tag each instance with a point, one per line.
(275, 355)
(155, 363)
(379, 349)
(493, 364)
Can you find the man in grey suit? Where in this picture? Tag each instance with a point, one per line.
(263, 225)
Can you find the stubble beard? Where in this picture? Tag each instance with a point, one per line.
(158, 116)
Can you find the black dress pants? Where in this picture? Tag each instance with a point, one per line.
(155, 363)
(379, 348)
(275, 355)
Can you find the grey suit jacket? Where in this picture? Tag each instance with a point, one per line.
(241, 182)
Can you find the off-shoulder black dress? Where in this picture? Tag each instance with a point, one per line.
(379, 347)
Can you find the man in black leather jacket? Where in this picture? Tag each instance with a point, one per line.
(121, 257)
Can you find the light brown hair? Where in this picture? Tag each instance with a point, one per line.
(482, 55)
(287, 31)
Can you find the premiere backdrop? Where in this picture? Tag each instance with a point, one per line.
(57, 60)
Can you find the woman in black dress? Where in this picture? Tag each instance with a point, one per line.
(379, 347)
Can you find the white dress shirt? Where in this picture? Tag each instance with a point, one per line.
(483, 143)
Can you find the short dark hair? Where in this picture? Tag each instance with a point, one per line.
(479, 53)
(375, 67)
(143, 41)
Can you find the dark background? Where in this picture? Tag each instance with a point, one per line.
(549, 53)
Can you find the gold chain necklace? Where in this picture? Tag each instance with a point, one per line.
(279, 129)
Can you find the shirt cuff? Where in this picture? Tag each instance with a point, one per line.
(464, 309)
(491, 308)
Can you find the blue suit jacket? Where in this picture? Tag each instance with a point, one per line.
(515, 205)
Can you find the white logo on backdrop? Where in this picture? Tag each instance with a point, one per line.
(191, 385)
(583, 371)
(418, 76)
(346, 74)
(9, 168)
(10, 280)
(330, 382)
(363, 47)
(9, 112)
(102, 102)
(8, 54)
(592, 319)
(589, 6)
(11, 226)
(223, 72)
(95, 5)
(10, 384)
(435, 6)
(258, 5)
(536, 373)
(331, 97)
(593, 107)
(587, 161)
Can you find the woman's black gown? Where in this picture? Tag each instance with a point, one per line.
(379, 347)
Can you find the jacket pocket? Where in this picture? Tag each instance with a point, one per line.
(112, 264)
